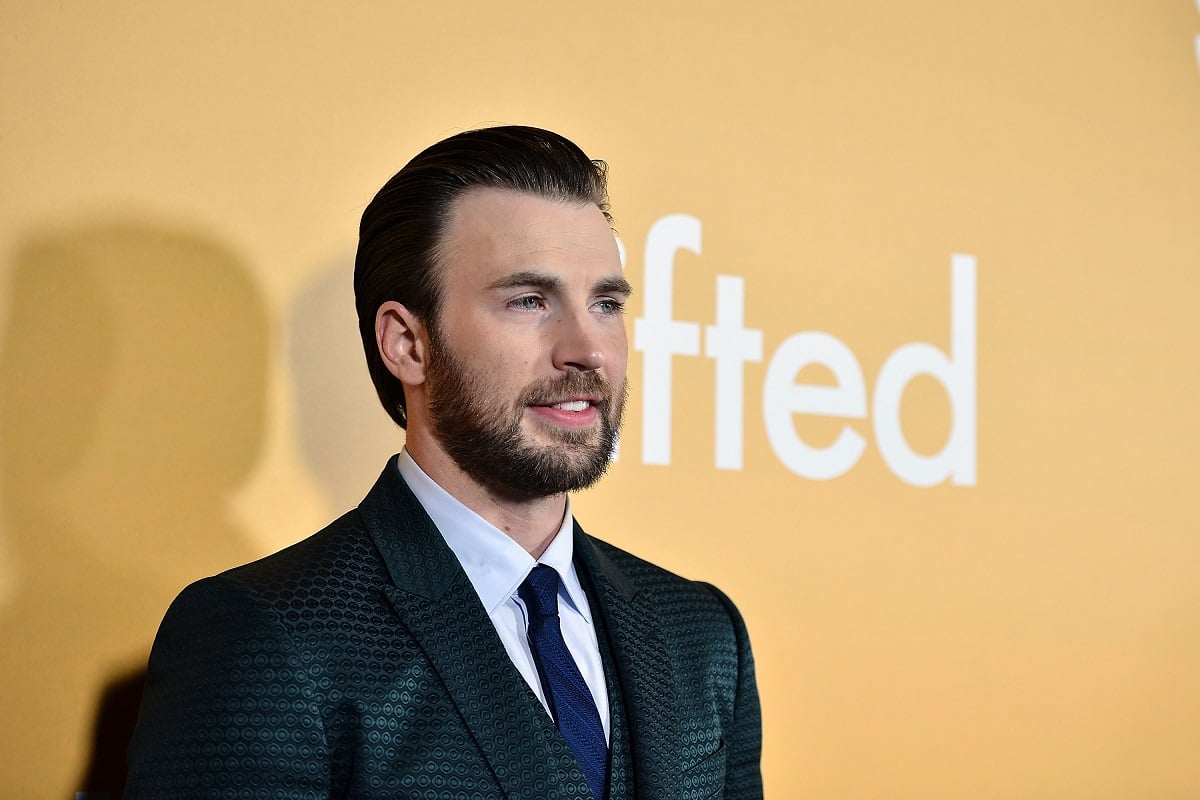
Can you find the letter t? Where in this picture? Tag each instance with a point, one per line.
(731, 345)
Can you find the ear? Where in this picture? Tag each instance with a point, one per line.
(402, 343)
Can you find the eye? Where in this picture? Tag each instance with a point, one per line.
(608, 306)
(529, 302)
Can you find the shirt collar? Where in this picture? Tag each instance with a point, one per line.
(495, 564)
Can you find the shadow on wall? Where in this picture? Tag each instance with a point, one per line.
(345, 435)
(132, 382)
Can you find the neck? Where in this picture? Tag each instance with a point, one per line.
(530, 522)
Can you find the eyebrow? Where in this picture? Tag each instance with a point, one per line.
(613, 284)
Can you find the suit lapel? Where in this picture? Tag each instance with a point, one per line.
(621, 784)
(437, 604)
(645, 671)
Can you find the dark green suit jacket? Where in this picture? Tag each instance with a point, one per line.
(360, 663)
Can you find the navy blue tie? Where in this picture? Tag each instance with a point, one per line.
(571, 702)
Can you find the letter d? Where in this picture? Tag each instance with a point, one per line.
(956, 374)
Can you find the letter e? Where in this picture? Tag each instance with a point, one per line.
(782, 398)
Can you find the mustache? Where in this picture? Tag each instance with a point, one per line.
(573, 384)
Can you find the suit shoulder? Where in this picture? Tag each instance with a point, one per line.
(644, 573)
(332, 572)
(338, 551)
(666, 588)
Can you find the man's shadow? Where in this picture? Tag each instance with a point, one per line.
(132, 401)
(345, 436)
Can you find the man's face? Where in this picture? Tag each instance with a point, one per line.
(526, 374)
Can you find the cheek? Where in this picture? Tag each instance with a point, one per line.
(492, 351)
(509, 370)
(618, 353)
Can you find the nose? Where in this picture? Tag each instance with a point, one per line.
(578, 343)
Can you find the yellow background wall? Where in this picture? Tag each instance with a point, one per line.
(180, 387)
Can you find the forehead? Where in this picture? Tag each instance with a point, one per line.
(492, 231)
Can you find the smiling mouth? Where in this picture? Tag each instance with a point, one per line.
(576, 413)
(575, 396)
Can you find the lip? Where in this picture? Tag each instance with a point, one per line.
(568, 419)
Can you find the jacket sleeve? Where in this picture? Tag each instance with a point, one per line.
(743, 735)
(229, 705)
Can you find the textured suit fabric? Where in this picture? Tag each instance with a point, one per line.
(360, 663)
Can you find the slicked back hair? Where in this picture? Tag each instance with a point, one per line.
(403, 226)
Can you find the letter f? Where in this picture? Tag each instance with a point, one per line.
(657, 335)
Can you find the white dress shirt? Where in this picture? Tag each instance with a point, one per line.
(496, 566)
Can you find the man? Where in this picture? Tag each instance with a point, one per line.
(458, 635)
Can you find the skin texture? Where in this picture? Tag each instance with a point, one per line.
(531, 316)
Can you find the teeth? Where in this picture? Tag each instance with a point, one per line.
(572, 405)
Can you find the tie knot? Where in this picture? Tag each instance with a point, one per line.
(539, 592)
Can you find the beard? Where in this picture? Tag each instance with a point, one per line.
(485, 440)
